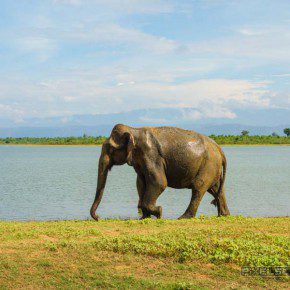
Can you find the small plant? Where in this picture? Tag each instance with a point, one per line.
(51, 247)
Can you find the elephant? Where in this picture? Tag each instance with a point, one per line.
(161, 157)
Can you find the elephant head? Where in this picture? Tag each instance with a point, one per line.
(116, 150)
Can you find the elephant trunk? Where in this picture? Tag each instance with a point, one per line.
(104, 164)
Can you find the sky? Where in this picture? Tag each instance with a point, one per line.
(67, 57)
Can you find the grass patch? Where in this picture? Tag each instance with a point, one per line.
(202, 253)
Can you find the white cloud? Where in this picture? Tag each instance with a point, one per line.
(213, 97)
(270, 43)
(219, 112)
(42, 47)
(212, 111)
(112, 33)
(153, 120)
(252, 31)
(266, 43)
(12, 111)
(69, 98)
(191, 115)
(126, 6)
(142, 69)
(69, 2)
(282, 75)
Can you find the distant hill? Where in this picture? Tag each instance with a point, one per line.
(258, 122)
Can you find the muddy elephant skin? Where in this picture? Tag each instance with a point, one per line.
(161, 157)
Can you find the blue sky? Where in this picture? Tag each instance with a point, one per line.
(60, 58)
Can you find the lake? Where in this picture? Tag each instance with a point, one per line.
(52, 183)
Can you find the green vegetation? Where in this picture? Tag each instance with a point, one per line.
(287, 131)
(85, 140)
(201, 253)
(251, 140)
(89, 140)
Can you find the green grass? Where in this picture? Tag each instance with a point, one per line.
(202, 253)
(89, 140)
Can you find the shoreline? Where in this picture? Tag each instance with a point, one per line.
(98, 145)
(128, 220)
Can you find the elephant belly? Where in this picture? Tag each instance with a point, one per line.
(184, 164)
(181, 176)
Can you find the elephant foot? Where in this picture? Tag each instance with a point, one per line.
(224, 213)
(144, 217)
(186, 216)
(159, 212)
(223, 210)
(145, 214)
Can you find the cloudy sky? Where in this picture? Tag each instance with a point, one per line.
(65, 57)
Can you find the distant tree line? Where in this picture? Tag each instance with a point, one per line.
(85, 140)
(250, 140)
(90, 140)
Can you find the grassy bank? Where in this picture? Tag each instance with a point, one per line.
(89, 140)
(203, 253)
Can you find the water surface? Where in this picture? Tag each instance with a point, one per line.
(48, 183)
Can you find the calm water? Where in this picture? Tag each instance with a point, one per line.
(45, 183)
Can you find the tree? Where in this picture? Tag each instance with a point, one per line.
(274, 134)
(245, 133)
(287, 131)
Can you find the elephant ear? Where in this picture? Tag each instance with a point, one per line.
(113, 143)
(130, 147)
(117, 140)
(124, 141)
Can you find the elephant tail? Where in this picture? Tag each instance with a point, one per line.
(223, 176)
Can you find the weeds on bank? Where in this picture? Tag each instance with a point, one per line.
(229, 241)
(185, 254)
(248, 250)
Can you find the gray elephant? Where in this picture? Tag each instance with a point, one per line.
(161, 157)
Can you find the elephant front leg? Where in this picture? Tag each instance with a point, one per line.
(149, 200)
(141, 188)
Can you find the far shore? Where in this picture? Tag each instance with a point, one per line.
(223, 140)
(54, 145)
(98, 145)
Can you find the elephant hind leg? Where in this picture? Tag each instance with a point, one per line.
(219, 200)
(224, 210)
(213, 192)
(198, 191)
